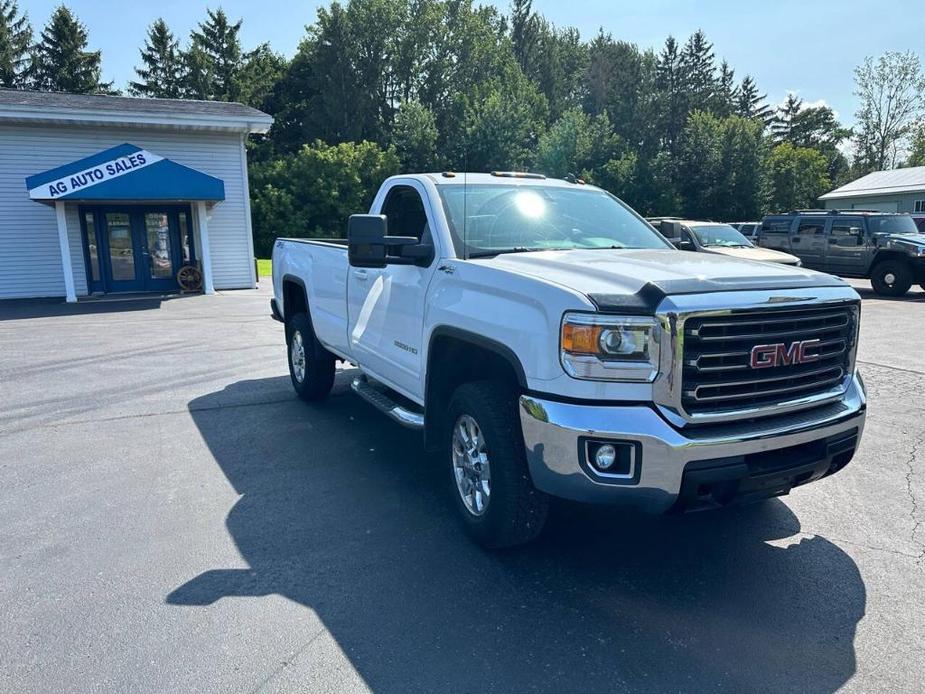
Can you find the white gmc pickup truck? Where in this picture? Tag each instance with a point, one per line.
(549, 342)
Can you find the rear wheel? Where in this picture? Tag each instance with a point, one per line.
(891, 277)
(311, 366)
(495, 496)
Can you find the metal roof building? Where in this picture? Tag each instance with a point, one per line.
(104, 194)
(897, 190)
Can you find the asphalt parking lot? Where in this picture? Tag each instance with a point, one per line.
(173, 519)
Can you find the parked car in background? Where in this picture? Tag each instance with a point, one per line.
(748, 229)
(548, 342)
(885, 247)
(714, 237)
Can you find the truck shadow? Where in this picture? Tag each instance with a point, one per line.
(342, 512)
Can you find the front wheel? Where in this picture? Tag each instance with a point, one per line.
(891, 278)
(495, 496)
(311, 366)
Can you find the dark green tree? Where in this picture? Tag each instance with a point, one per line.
(414, 135)
(61, 61)
(261, 70)
(525, 34)
(196, 74)
(674, 96)
(698, 72)
(783, 119)
(752, 104)
(727, 92)
(613, 79)
(312, 192)
(798, 176)
(15, 41)
(917, 150)
(161, 73)
(720, 165)
(221, 57)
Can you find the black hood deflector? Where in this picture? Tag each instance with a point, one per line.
(650, 295)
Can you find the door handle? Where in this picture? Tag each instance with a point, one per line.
(361, 275)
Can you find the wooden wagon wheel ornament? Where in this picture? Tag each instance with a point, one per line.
(189, 278)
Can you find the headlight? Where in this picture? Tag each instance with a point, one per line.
(609, 348)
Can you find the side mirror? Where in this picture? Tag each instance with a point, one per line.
(366, 240)
(368, 244)
(684, 245)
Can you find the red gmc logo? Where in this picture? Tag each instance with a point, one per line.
(782, 354)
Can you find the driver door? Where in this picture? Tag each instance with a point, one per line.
(386, 306)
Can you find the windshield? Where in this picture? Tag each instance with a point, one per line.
(899, 224)
(719, 235)
(489, 219)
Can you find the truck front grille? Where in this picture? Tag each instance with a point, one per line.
(718, 375)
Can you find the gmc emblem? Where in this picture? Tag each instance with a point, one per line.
(782, 354)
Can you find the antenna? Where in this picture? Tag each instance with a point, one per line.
(465, 201)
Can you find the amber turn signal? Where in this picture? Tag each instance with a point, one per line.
(581, 339)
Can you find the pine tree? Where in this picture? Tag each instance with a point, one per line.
(783, 120)
(61, 61)
(727, 93)
(220, 47)
(15, 40)
(160, 76)
(698, 72)
(751, 104)
(524, 34)
(674, 97)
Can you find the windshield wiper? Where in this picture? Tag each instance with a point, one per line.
(501, 251)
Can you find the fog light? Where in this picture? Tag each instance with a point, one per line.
(605, 457)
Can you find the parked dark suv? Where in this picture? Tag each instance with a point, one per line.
(886, 248)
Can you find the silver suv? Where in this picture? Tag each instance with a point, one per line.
(886, 248)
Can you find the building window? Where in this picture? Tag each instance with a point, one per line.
(920, 205)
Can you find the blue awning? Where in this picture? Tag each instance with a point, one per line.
(125, 172)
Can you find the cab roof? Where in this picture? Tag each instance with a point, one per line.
(454, 178)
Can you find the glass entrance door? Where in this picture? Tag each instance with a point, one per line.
(122, 258)
(135, 248)
(161, 241)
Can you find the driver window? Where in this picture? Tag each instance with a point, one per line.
(404, 209)
(846, 232)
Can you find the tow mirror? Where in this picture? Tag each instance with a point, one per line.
(673, 231)
(369, 245)
(366, 240)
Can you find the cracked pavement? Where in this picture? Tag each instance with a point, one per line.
(172, 519)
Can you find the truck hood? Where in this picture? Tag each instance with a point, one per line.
(616, 279)
(914, 240)
(765, 255)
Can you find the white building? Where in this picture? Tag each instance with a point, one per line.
(115, 194)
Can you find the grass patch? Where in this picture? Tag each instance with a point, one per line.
(264, 267)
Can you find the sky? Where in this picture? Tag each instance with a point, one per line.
(809, 47)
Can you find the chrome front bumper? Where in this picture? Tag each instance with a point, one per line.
(553, 432)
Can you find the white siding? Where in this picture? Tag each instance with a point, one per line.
(30, 260)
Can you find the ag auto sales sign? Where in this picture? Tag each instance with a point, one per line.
(94, 175)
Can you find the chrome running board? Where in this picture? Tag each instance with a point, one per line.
(382, 402)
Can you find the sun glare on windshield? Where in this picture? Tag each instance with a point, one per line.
(530, 205)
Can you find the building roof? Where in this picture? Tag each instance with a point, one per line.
(20, 106)
(911, 180)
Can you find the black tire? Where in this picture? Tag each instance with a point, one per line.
(896, 270)
(516, 511)
(318, 369)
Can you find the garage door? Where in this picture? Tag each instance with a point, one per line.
(879, 206)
